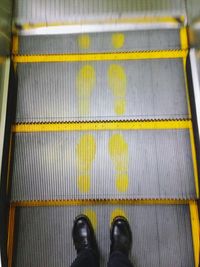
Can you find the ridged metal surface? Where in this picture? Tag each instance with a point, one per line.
(161, 235)
(102, 165)
(100, 42)
(41, 11)
(102, 90)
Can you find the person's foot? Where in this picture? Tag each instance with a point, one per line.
(83, 234)
(120, 236)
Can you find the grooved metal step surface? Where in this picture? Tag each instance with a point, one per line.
(161, 234)
(129, 164)
(125, 41)
(101, 90)
(48, 12)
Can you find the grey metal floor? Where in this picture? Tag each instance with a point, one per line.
(103, 164)
(161, 235)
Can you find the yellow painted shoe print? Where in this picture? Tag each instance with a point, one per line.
(117, 82)
(85, 83)
(85, 155)
(118, 150)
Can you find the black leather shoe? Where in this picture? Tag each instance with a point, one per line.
(120, 236)
(83, 234)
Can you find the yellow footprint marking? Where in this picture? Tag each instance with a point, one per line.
(91, 214)
(84, 41)
(85, 155)
(85, 83)
(117, 212)
(118, 40)
(118, 82)
(118, 149)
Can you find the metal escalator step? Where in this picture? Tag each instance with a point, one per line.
(102, 42)
(102, 90)
(69, 11)
(129, 164)
(161, 234)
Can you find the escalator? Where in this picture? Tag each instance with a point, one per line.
(104, 126)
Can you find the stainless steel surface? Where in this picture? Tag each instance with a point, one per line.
(103, 165)
(102, 90)
(69, 11)
(119, 41)
(104, 27)
(161, 235)
(196, 82)
(4, 82)
(5, 27)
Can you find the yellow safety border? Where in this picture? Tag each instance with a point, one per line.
(100, 57)
(195, 231)
(91, 126)
(15, 44)
(10, 241)
(88, 202)
(184, 38)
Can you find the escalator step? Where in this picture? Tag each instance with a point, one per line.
(102, 42)
(161, 234)
(70, 11)
(117, 164)
(102, 90)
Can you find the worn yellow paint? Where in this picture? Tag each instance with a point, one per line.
(10, 241)
(195, 231)
(15, 44)
(85, 83)
(91, 202)
(194, 160)
(118, 40)
(184, 38)
(85, 155)
(84, 41)
(98, 126)
(2, 60)
(91, 214)
(118, 149)
(100, 57)
(118, 84)
(117, 212)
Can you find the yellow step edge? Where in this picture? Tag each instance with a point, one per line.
(194, 216)
(86, 202)
(94, 126)
(100, 56)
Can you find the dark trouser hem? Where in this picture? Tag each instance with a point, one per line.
(87, 258)
(118, 259)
